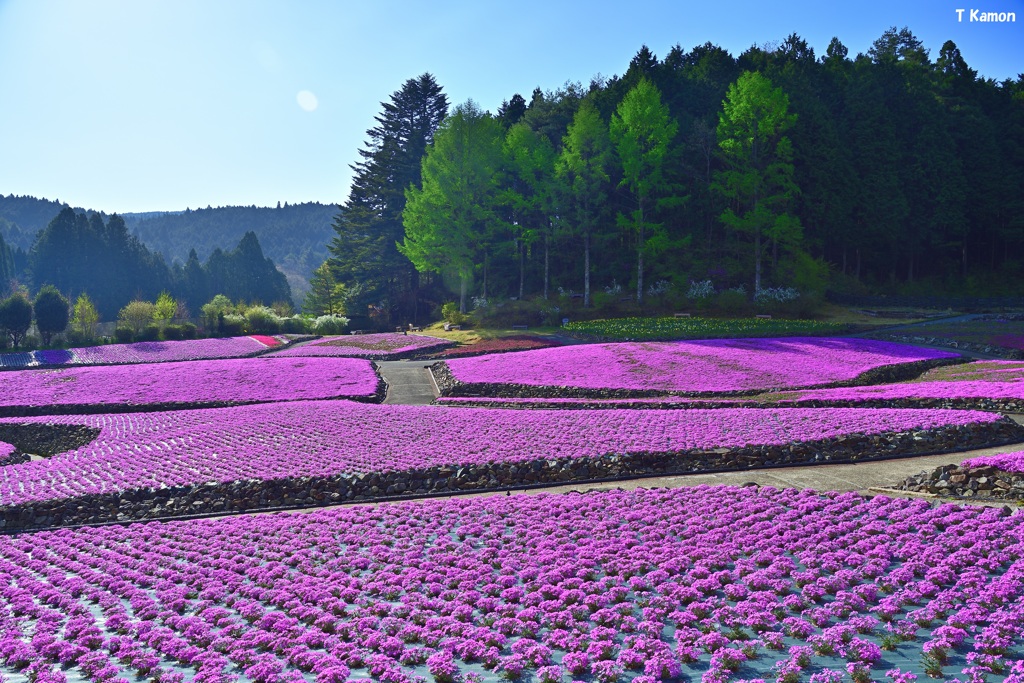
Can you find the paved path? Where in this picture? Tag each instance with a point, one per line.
(409, 381)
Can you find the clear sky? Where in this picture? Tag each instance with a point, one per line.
(152, 105)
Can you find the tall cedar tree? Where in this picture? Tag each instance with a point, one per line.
(759, 178)
(364, 252)
(450, 222)
(642, 129)
(583, 168)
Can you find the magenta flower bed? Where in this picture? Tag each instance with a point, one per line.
(723, 365)
(1008, 462)
(153, 352)
(6, 449)
(708, 584)
(240, 380)
(323, 438)
(981, 379)
(380, 346)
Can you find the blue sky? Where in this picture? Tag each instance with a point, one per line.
(149, 105)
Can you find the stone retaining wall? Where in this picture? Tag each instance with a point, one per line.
(302, 492)
(967, 482)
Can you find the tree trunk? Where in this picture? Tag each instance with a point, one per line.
(640, 257)
(485, 275)
(547, 264)
(463, 286)
(757, 261)
(586, 270)
(522, 268)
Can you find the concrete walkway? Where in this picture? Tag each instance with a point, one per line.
(409, 381)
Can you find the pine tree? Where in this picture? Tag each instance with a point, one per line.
(364, 254)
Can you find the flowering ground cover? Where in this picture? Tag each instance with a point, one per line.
(708, 584)
(143, 352)
(691, 367)
(519, 342)
(325, 438)
(1007, 335)
(1008, 462)
(379, 346)
(237, 380)
(650, 329)
(990, 381)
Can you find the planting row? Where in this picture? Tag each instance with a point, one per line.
(518, 342)
(193, 383)
(378, 346)
(143, 352)
(688, 367)
(649, 329)
(368, 451)
(708, 583)
(986, 385)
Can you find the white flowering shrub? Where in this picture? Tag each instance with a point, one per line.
(329, 324)
(701, 290)
(659, 288)
(776, 295)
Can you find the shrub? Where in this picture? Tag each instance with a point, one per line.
(150, 332)
(295, 324)
(52, 312)
(124, 335)
(329, 324)
(701, 290)
(450, 313)
(136, 315)
(262, 320)
(232, 325)
(189, 331)
(733, 302)
(173, 333)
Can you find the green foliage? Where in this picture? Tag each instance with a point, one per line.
(149, 333)
(165, 309)
(15, 318)
(449, 221)
(262, 320)
(85, 317)
(329, 325)
(50, 309)
(369, 226)
(326, 295)
(136, 315)
(124, 334)
(648, 329)
(642, 129)
(450, 313)
(759, 174)
(583, 167)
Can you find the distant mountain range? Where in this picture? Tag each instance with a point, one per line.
(294, 236)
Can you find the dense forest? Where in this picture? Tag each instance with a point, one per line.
(890, 171)
(294, 236)
(81, 253)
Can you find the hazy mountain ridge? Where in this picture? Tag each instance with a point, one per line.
(294, 236)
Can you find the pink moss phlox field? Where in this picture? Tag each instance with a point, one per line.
(980, 379)
(679, 584)
(241, 380)
(377, 345)
(720, 365)
(323, 438)
(160, 351)
(6, 449)
(1008, 462)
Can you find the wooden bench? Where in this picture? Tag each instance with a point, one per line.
(764, 316)
(519, 327)
(681, 315)
(448, 327)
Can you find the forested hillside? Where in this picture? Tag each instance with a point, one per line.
(897, 170)
(294, 236)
